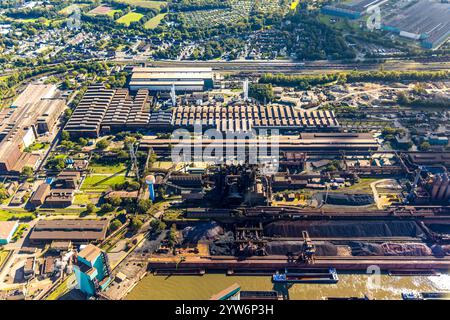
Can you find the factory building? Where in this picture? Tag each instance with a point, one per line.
(126, 112)
(77, 231)
(35, 111)
(48, 119)
(92, 270)
(245, 118)
(304, 142)
(87, 117)
(162, 79)
(108, 110)
(424, 21)
(353, 10)
(104, 111)
(416, 159)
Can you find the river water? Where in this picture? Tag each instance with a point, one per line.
(349, 285)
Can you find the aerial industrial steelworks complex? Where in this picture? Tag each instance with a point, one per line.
(184, 172)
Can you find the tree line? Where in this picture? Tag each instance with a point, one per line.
(306, 81)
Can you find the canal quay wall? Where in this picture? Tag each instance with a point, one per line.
(258, 265)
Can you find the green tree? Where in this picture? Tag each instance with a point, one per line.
(56, 164)
(106, 207)
(136, 224)
(425, 146)
(144, 205)
(65, 135)
(83, 142)
(115, 224)
(3, 193)
(261, 92)
(157, 226)
(115, 201)
(27, 172)
(172, 237)
(90, 208)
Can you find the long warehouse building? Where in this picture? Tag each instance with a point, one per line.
(162, 79)
(246, 117)
(35, 111)
(304, 142)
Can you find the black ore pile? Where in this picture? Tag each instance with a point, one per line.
(280, 248)
(207, 231)
(343, 229)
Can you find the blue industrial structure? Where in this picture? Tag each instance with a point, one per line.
(438, 141)
(92, 270)
(150, 180)
(340, 12)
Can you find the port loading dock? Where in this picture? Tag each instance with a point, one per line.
(270, 264)
(393, 241)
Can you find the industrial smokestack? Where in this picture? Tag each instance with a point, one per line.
(245, 87)
(173, 96)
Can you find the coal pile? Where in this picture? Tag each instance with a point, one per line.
(223, 246)
(208, 231)
(343, 229)
(365, 249)
(295, 247)
(346, 199)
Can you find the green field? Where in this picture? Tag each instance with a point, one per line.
(112, 12)
(3, 255)
(155, 21)
(145, 4)
(129, 18)
(30, 20)
(10, 215)
(107, 169)
(101, 182)
(70, 9)
(85, 198)
(37, 146)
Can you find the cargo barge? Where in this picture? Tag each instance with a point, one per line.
(260, 295)
(329, 277)
(426, 296)
(179, 272)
